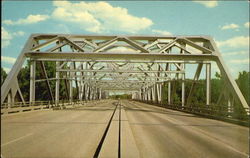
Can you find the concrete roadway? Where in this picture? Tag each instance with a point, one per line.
(136, 130)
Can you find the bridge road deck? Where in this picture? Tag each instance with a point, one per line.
(145, 131)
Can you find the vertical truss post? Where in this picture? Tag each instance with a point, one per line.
(140, 95)
(149, 94)
(208, 83)
(10, 100)
(230, 105)
(158, 93)
(145, 94)
(169, 85)
(90, 92)
(32, 81)
(183, 90)
(94, 94)
(85, 91)
(71, 84)
(160, 90)
(100, 93)
(169, 92)
(57, 84)
(80, 89)
(153, 93)
(183, 78)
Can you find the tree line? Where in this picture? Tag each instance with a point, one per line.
(199, 95)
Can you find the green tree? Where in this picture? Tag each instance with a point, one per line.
(243, 82)
(3, 75)
(42, 92)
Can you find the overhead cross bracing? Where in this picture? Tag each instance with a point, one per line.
(95, 64)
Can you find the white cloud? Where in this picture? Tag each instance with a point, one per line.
(18, 33)
(9, 60)
(30, 19)
(234, 53)
(7, 70)
(230, 26)
(8, 36)
(162, 32)
(235, 42)
(99, 17)
(247, 24)
(208, 4)
(239, 61)
(5, 38)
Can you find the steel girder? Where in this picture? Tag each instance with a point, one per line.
(98, 64)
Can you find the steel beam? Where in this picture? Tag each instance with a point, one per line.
(208, 84)
(32, 81)
(57, 85)
(120, 56)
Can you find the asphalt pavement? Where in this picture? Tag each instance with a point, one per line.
(128, 130)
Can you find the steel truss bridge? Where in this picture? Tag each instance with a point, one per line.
(143, 66)
(98, 64)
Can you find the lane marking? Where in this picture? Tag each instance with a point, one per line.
(98, 149)
(16, 139)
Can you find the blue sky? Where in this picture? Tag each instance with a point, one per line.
(226, 21)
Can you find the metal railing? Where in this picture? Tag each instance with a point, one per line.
(212, 111)
(39, 105)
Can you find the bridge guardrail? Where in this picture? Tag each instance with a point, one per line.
(39, 105)
(20, 106)
(211, 111)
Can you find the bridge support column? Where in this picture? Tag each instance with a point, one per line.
(32, 81)
(230, 105)
(90, 93)
(153, 93)
(81, 91)
(87, 92)
(148, 94)
(183, 78)
(158, 89)
(95, 93)
(100, 93)
(169, 92)
(10, 100)
(183, 88)
(57, 84)
(71, 84)
(208, 83)
(140, 98)
(145, 94)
